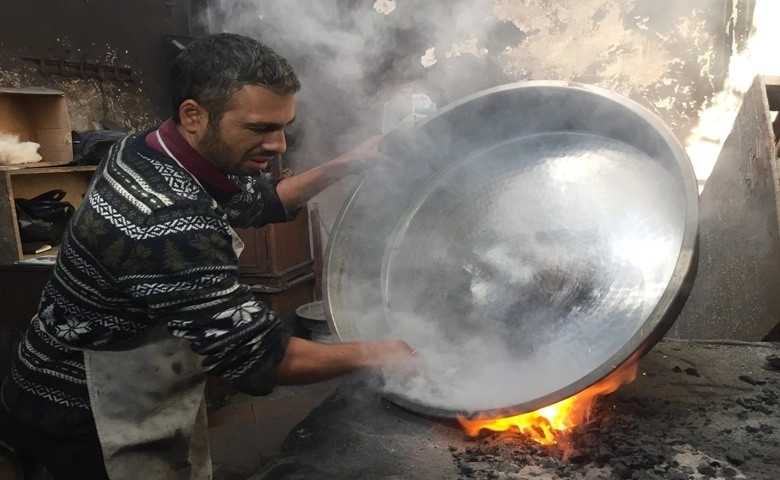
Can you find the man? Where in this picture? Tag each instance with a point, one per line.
(143, 301)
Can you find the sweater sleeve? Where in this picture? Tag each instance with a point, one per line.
(183, 271)
(258, 203)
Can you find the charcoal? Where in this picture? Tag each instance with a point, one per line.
(660, 469)
(773, 361)
(735, 458)
(707, 470)
(621, 470)
(751, 380)
(646, 462)
(770, 398)
(763, 409)
(644, 475)
(676, 474)
(642, 402)
(602, 456)
(478, 466)
(589, 440)
(729, 472)
(580, 457)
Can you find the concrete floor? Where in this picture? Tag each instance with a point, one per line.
(697, 410)
(247, 432)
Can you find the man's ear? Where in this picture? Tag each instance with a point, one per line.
(193, 117)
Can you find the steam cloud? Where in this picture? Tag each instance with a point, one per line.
(351, 55)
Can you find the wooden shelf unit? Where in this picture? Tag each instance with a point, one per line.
(28, 183)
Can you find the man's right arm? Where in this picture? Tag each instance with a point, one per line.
(186, 278)
(295, 191)
(308, 362)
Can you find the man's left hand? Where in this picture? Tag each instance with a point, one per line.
(366, 157)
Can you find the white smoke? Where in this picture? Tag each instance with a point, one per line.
(352, 55)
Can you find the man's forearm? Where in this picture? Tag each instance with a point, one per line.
(309, 362)
(295, 191)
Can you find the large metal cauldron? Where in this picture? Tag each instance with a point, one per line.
(538, 236)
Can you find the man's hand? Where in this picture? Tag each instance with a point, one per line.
(385, 353)
(398, 358)
(366, 157)
(307, 362)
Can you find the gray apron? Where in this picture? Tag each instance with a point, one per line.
(149, 408)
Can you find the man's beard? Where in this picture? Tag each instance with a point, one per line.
(216, 151)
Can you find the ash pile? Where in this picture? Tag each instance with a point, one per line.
(647, 432)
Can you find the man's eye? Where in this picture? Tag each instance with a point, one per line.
(265, 129)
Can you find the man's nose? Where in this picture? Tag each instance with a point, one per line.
(276, 142)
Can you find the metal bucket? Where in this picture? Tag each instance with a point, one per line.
(311, 316)
(539, 235)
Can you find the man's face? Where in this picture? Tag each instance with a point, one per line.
(251, 133)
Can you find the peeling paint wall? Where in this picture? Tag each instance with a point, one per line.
(109, 33)
(670, 56)
(91, 103)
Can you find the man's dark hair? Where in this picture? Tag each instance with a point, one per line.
(211, 69)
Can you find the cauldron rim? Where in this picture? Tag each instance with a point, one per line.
(668, 306)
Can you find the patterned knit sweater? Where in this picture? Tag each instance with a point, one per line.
(149, 246)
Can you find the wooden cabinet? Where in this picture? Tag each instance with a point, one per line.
(276, 253)
(277, 264)
(28, 183)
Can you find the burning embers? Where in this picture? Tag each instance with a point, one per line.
(544, 424)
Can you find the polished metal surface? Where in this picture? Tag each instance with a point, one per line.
(540, 235)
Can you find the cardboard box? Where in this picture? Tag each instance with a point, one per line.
(38, 115)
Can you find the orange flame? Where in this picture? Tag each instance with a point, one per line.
(542, 425)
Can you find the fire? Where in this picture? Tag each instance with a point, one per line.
(542, 425)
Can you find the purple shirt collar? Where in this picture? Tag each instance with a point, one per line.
(205, 172)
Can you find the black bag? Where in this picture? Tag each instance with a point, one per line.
(90, 148)
(43, 219)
